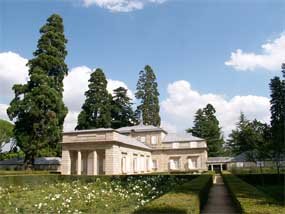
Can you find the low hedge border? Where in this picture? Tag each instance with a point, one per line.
(186, 198)
(249, 199)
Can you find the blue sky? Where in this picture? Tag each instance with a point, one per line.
(187, 40)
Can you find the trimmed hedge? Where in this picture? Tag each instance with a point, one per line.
(249, 199)
(185, 198)
(36, 179)
(263, 179)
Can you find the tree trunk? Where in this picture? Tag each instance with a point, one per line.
(29, 162)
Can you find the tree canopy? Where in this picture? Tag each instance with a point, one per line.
(147, 93)
(96, 110)
(38, 109)
(122, 112)
(251, 138)
(277, 87)
(206, 126)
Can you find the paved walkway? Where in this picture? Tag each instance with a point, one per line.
(219, 201)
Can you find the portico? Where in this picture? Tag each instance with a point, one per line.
(102, 151)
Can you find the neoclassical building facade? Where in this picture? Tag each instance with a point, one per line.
(131, 150)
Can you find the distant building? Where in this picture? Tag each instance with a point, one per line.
(43, 163)
(239, 161)
(130, 150)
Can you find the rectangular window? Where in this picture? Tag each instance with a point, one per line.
(175, 145)
(154, 164)
(239, 164)
(143, 139)
(193, 144)
(153, 140)
(192, 163)
(260, 163)
(174, 163)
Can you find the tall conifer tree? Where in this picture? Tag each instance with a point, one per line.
(206, 126)
(277, 87)
(96, 111)
(148, 93)
(38, 109)
(122, 112)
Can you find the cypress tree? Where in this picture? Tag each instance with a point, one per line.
(148, 93)
(122, 112)
(38, 109)
(96, 111)
(277, 87)
(206, 126)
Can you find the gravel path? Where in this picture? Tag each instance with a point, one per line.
(219, 201)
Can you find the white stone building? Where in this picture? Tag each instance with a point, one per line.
(131, 150)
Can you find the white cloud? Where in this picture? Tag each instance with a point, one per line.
(270, 59)
(177, 109)
(170, 128)
(121, 5)
(70, 121)
(113, 84)
(182, 102)
(75, 85)
(3, 113)
(13, 70)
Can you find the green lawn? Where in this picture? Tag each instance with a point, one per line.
(275, 191)
(60, 194)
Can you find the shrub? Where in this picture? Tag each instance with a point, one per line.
(249, 199)
(184, 198)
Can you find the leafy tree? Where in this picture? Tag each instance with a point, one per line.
(148, 93)
(277, 87)
(6, 132)
(206, 126)
(122, 112)
(252, 138)
(38, 109)
(238, 139)
(96, 111)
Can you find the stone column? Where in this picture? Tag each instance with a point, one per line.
(66, 163)
(211, 167)
(92, 163)
(78, 162)
(221, 165)
(112, 160)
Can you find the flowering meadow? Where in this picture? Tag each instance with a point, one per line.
(112, 195)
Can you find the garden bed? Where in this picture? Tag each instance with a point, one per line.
(249, 199)
(83, 194)
(185, 198)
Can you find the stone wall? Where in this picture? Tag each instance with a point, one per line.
(163, 159)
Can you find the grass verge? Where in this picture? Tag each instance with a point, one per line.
(249, 199)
